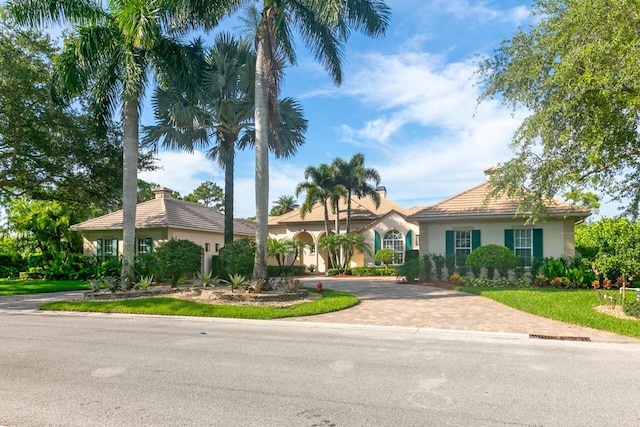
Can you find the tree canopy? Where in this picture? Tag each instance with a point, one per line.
(49, 150)
(208, 194)
(576, 72)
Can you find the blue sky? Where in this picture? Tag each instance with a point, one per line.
(407, 102)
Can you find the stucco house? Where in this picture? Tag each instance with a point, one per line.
(383, 226)
(458, 225)
(159, 220)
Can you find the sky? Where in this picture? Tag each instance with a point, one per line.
(408, 102)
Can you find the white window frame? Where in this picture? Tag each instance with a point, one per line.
(523, 241)
(396, 243)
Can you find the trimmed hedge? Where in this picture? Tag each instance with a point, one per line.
(285, 270)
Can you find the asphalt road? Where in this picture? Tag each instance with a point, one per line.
(115, 370)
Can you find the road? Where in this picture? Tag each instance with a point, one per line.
(121, 370)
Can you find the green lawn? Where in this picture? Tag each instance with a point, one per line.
(330, 301)
(14, 287)
(570, 306)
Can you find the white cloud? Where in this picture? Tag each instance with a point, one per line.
(183, 172)
(450, 143)
(481, 11)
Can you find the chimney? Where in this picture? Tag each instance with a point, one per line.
(162, 192)
(382, 191)
(488, 171)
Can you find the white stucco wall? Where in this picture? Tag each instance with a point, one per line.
(557, 237)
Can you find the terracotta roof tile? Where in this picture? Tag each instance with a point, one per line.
(361, 209)
(167, 212)
(471, 203)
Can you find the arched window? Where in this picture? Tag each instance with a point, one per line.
(394, 240)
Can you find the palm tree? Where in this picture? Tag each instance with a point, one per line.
(355, 178)
(321, 187)
(221, 110)
(110, 53)
(283, 205)
(324, 27)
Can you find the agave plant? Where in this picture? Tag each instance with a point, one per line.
(235, 281)
(94, 285)
(206, 279)
(256, 285)
(144, 282)
(112, 283)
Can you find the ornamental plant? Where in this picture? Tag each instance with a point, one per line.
(177, 257)
(492, 257)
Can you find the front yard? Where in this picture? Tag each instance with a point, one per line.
(566, 305)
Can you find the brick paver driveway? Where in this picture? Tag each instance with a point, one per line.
(384, 302)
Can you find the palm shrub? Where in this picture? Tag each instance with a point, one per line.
(492, 257)
(450, 262)
(427, 268)
(439, 261)
(177, 257)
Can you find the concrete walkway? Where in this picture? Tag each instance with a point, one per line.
(384, 302)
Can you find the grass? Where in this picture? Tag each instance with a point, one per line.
(14, 287)
(570, 306)
(330, 301)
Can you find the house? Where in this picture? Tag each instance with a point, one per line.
(159, 220)
(383, 226)
(458, 225)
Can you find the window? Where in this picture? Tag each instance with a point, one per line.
(207, 247)
(313, 248)
(462, 246)
(144, 246)
(523, 245)
(526, 243)
(394, 240)
(106, 248)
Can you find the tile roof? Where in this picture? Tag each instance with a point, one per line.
(167, 212)
(362, 209)
(471, 203)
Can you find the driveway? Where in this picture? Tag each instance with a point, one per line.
(386, 303)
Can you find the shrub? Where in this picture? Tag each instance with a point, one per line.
(285, 270)
(492, 257)
(177, 257)
(332, 272)
(632, 308)
(410, 270)
(450, 262)
(485, 282)
(439, 261)
(373, 271)
(385, 256)
(427, 268)
(237, 257)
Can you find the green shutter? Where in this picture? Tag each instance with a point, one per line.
(407, 241)
(115, 247)
(508, 239)
(148, 245)
(99, 248)
(377, 244)
(475, 239)
(449, 242)
(537, 243)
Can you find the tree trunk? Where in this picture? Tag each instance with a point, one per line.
(348, 228)
(129, 188)
(262, 164)
(228, 191)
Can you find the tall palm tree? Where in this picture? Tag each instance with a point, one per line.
(356, 178)
(324, 27)
(111, 51)
(283, 205)
(221, 110)
(321, 187)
